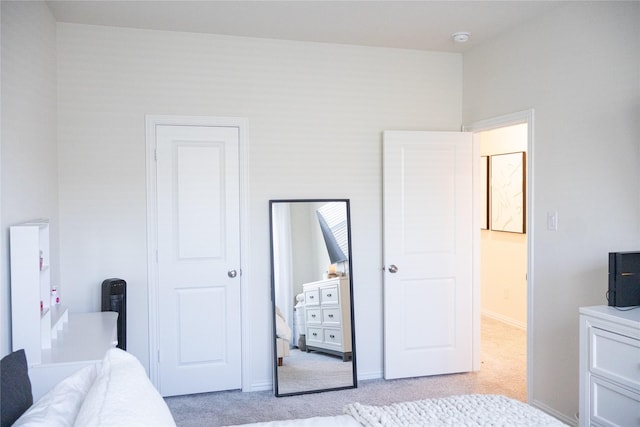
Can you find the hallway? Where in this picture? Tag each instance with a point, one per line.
(503, 359)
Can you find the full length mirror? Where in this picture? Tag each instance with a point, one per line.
(314, 347)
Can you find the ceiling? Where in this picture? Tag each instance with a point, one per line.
(422, 25)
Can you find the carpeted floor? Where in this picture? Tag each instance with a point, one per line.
(503, 371)
(303, 371)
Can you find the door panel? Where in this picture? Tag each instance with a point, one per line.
(428, 235)
(199, 231)
(197, 306)
(198, 243)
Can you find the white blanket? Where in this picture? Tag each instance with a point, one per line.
(465, 410)
(122, 395)
(332, 421)
(282, 328)
(117, 393)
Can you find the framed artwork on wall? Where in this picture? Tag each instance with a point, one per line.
(484, 192)
(507, 173)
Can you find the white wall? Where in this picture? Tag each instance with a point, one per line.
(315, 111)
(302, 238)
(578, 68)
(29, 151)
(503, 266)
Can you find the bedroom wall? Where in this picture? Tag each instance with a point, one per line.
(578, 68)
(29, 150)
(315, 112)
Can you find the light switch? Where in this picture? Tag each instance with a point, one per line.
(552, 220)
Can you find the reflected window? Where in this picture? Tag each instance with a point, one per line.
(333, 223)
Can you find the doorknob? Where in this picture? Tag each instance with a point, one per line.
(393, 268)
(232, 273)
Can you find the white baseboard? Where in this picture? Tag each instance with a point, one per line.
(562, 417)
(260, 386)
(504, 319)
(373, 375)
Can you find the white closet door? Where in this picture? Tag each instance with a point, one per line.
(198, 253)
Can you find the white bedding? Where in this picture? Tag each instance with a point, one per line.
(464, 410)
(333, 421)
(60, 406)
(116, 393)
(282, 328)
(122, 395)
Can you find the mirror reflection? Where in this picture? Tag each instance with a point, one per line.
(314, 347)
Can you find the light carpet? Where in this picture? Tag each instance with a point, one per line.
(503, 371)
(300, 369)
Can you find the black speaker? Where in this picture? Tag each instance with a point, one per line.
(624, 279)
(114, 298)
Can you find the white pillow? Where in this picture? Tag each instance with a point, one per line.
(60, 405)
(122, 395)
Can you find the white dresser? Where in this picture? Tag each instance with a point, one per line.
(328, 316)
(609, 367)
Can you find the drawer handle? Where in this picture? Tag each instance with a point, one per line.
(331, 316)
(311, 297)
(332, 336)
(329, 295)
(315, 334)
(313, 315)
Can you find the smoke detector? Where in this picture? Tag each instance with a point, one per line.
(461, 37)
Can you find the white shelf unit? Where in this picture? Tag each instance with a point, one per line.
(31, 290)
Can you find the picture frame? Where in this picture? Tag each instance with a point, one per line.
(484, 192)
(507, 198)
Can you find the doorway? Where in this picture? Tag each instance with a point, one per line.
(505, 268)
(194, 253)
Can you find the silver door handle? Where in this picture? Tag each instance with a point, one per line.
(393, 268)
(232, 273)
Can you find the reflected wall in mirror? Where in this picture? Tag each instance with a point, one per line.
(314, 348)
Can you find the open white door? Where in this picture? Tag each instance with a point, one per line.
(198, 259)
(428, 253)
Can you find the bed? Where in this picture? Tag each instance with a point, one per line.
(459, 411)
(283, 337)
(118, 393)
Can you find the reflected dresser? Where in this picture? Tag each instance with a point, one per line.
(328, 316)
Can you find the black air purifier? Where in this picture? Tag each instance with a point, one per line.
(114, 298)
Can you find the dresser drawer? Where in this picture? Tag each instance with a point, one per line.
(612, 405)
(333, 336)
(330, 295)
(312, 297)
(615, 357)
(314, 335)
(313, 316)
(331, 316)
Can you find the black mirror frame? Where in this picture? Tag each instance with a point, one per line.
(273, 298)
